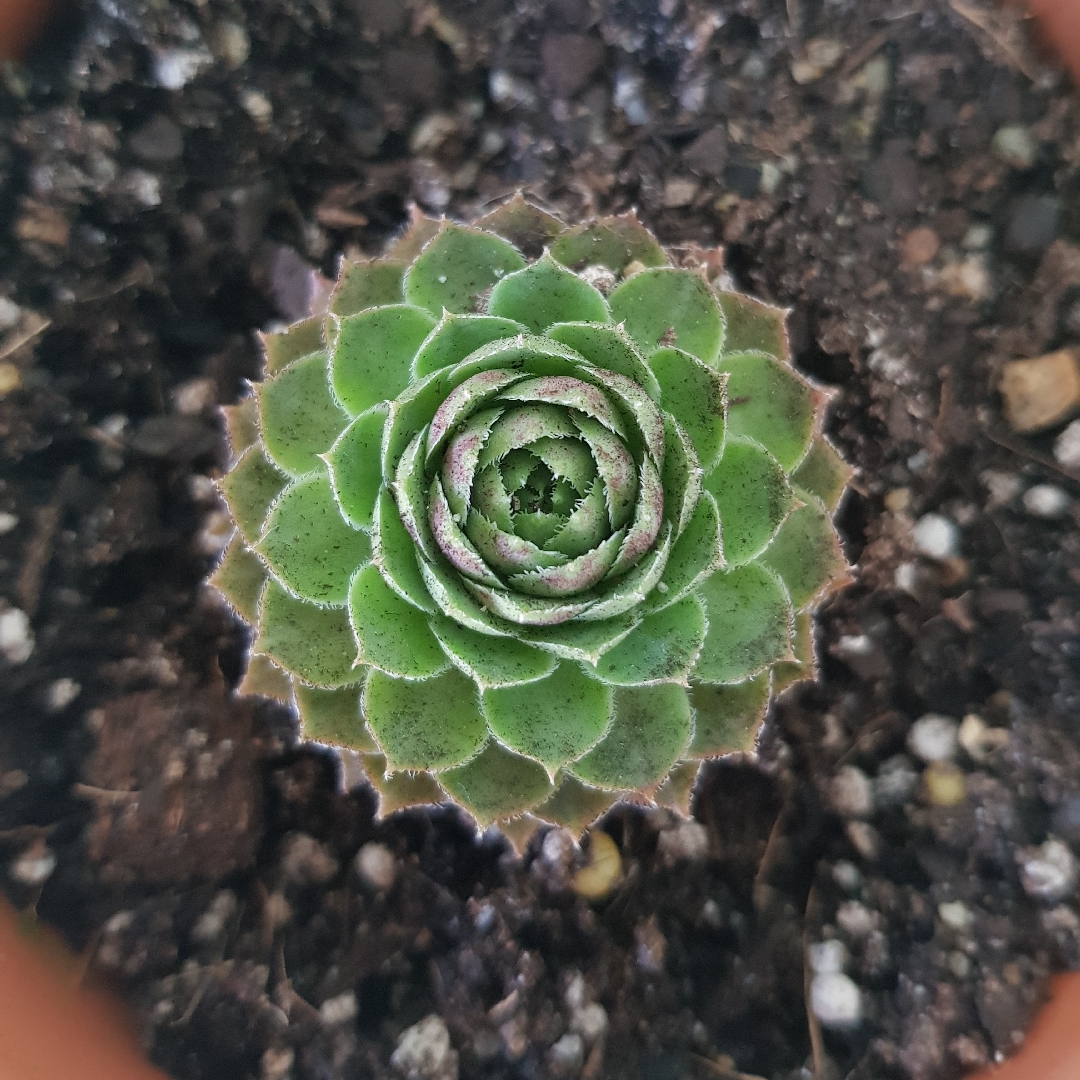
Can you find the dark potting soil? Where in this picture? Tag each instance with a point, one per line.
(904, 175)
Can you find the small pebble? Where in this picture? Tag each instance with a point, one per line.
(376, 865)
(423, 1051)
(978, 740)
(174, 68)
(865, 839)
(211, 923)
(688, 841)
(679, 191)
(1046, 501)
(232, 43)
(277, 1062)
(1034, 224)
(339, 1010)
(827, 957)
(16, 637)
(1002, 487)
(959, 964)
(919, 246)
(1040, 392)
(856, 920)
(956, 915)
(977, 237)
(34, 866)
(628, 97)
(303, 858)
(508, 90)
(7, 522)
(969, 278)
(934, 737)
(820, 55)
(936, 537)
(836, 1001)
(1015, 146)
(191, 397)
(1067, 446)
(258, 106)
(61, 693)
(590, 1021)
(944, 784)
(597, 878)
(851, 794)
(896, 781)
(567, 1055)
(10, 313)
(846, 874)
(1047, 872)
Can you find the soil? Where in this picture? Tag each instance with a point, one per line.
(168, 175)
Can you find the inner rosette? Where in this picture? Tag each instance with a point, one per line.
(538, 482)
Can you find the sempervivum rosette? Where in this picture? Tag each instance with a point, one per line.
(533, 518)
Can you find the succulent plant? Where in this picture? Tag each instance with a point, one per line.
(534, 518)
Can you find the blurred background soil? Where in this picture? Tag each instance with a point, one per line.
(879, 896)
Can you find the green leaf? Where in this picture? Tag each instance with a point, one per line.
(770, 403)
(546, 293)
(308, 544)
(552, 721)
(526, 226)
(354, 463)
(301, 339)
(506, 552)
(663, 648)
(681, 476)
(677, 790)
(614, 242)
(241, 424)
(651, 728)
(648, 419)
(583, 641)
(366, 285)
(312, 642)
(333, 717)
(249, 488)
(753, 495)
(462, 401)
(452, 542)
(575, 805)
(695, 556)
(647, 519)
(750, 624)
(298, 416)
(804, 666)
(526, 610)
(524, 424)
(491, 661)
(393, 635)
(496, 784)
(608, 348)
(696, 395)
(670, 307)
(461, 458)
(616, 468)
(491, 500)
(411, 495)
(394, 553)
(806, 553)
(400, 790)
(239, 578)
(429, 724)
(263, 678)
(458, 336)
(570, 393)
(418, 233)
(457, 267)
(632, 588)
(751, 326)
(823, 472)
(573, 577)
(447, 590)
(727, 718)
(374, 353)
